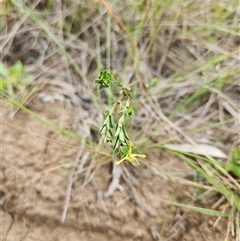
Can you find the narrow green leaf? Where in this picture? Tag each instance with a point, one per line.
(116, 144)
(103, 129)
(111, 121)
(125, 133)
(122, 136)
(200, 210)
(118, 129)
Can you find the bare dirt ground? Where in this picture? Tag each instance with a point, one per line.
(32, 201)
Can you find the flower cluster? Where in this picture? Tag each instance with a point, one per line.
(130, 156)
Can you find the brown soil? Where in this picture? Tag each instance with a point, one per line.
(34, 200)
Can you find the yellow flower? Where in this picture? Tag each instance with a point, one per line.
(130, 156)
